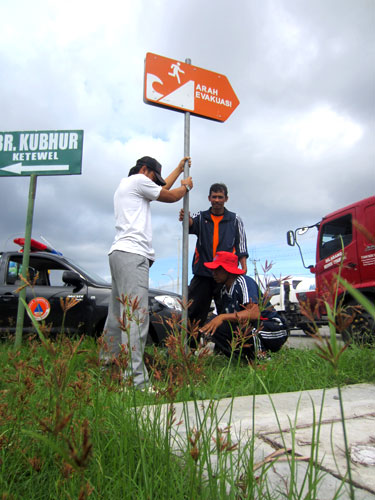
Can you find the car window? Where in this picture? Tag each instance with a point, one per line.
(43, 271)
(55, 277)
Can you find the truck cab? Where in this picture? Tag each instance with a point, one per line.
(345, 236)
(346, 246)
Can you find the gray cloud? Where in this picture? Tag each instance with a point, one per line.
(300, 144)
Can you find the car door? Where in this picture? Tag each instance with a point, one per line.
(70, 306)
(68, 303)
(8, 296)
(50, 299)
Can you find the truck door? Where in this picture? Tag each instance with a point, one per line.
(366, 245)
(336, 236)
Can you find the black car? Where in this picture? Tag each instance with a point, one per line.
(57, 277)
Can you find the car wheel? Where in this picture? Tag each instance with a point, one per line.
(152, 337)
(98, 332)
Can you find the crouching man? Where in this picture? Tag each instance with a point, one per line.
(243, 324)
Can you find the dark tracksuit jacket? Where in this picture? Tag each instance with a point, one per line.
(232, 238)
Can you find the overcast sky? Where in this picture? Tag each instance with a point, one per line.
(299, 145)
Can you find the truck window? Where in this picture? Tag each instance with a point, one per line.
(331, 234)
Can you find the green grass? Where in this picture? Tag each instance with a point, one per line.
(70, 431)
(67, 431)
(286, 371)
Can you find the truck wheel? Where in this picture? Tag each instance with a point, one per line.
(362, 329)
(309, 332)
(308, 329)
(285, 321)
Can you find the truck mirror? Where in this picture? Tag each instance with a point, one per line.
(290, 238)
(302, 230)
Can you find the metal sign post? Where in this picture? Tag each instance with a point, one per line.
(190, 90)
(185, 226)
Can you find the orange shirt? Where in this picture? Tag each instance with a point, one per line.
(216, 220)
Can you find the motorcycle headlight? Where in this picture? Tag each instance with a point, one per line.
(169, 301)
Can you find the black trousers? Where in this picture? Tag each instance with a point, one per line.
(248, 342)
(202, 290)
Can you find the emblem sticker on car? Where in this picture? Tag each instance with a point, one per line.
(40, 308)
(77, 297)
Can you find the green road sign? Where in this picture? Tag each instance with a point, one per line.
(50, 152)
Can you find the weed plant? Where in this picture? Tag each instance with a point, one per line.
(71, 431)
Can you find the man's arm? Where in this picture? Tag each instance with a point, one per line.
(172, 177)
(181, 217)
(241, 243)
(243, 262)
(250, 312)
(173, 195)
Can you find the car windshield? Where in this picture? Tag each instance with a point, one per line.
(95, 278)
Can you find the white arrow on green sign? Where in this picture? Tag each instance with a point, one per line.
(20, 169)
(51, 152)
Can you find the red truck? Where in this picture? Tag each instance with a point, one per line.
(346, 237)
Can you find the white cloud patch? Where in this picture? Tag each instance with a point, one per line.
(322, 131)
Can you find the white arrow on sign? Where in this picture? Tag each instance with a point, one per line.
(17, 168)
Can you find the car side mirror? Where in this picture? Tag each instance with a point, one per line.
(73, 279)
(290, 238)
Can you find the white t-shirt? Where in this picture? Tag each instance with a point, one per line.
(133, 215)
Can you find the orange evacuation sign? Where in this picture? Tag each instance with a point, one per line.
(183, 87)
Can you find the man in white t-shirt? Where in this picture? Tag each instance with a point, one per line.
(130, 257)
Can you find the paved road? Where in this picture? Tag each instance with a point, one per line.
(300, 340)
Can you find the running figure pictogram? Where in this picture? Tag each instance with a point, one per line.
(176, 70)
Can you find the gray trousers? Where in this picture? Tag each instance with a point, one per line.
(129, 277)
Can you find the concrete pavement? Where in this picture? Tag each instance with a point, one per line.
(282, 422)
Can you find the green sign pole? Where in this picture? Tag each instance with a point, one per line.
(25, 259)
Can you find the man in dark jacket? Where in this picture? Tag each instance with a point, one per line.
(217, 229)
